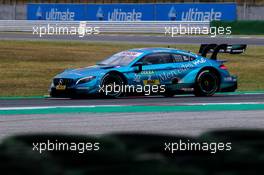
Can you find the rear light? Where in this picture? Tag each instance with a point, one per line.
(223, 67)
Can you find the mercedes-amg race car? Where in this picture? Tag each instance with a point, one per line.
(151, 71)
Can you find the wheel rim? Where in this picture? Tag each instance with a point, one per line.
(208, 83)
(113, 82)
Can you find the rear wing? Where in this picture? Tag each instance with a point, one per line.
(221, 48)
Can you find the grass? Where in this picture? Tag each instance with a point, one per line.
(27, 67)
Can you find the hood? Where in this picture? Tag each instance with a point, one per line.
(84, 72)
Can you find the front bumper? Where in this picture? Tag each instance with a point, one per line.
(75, 90)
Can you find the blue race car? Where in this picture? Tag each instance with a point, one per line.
(151, 71)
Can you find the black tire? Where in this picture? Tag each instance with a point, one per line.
(207, 83)
(114, 80)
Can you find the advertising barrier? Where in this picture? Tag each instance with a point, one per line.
(57, 12)
(133, 12)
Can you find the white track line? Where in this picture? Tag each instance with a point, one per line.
(54, 107)
(235, 103)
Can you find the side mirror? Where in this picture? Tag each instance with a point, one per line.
(138, 67)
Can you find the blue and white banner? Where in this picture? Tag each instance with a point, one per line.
(133, 12)
(196, 12)
(121, 12)
(56, 12)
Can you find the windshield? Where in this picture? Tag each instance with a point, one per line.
(120, 59)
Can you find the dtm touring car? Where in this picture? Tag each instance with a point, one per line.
(151, 71)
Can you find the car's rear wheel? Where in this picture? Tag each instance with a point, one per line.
(207, 83)
(113, 85)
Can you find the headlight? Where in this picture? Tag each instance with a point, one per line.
(85, 80)
(51, 86)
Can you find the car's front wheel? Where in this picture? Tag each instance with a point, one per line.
(113, 85)
(207, 83)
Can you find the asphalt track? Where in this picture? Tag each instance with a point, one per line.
(187, 123)
(143, 39)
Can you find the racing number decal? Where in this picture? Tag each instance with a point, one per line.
(150, 78)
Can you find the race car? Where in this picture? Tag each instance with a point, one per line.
(151, 71)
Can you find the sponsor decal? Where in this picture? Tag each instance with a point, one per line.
(172, 14)
(100, 14)
(137, 78)
(60, 85)
(55, 14)
(118, 15)
(195, 14)
(147, 72)
(199, 61)
(129, 53)
(151, 82)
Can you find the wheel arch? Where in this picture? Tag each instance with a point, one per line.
(119, 74)
(210, 68)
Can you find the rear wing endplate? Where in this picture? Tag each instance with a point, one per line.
(221, 48)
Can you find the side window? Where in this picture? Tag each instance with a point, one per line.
(157, 58)
(192, 58)
(177, 58)
(167, 58)
(182, 58)
(186, 58)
